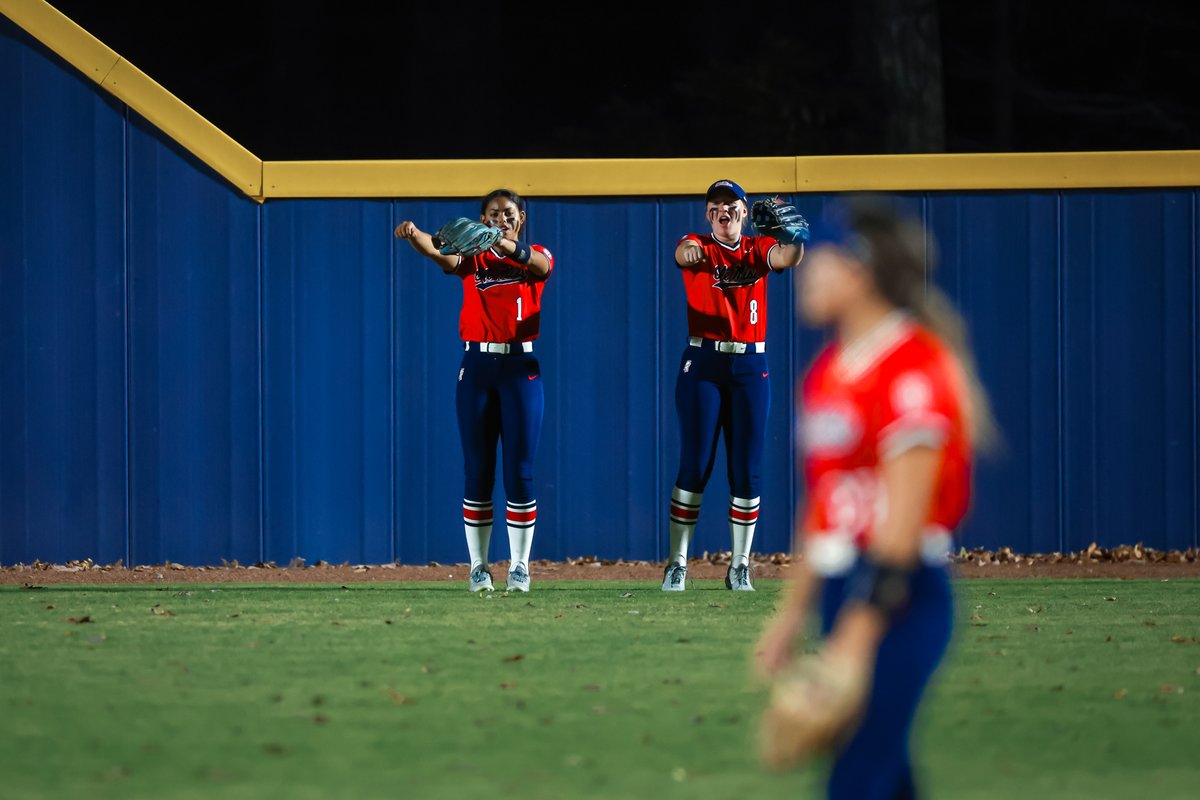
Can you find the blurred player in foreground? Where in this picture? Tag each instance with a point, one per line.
(892, 409)
(500, 394)
(723, 384)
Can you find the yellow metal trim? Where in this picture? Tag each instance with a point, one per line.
(50, 27)
(998, 171)
(196, 134)
(616, 177)
(137, 90)
(548, 178)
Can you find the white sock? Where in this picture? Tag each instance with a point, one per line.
(477, 522)
(522, 517)
(743, 517)
(685, 510)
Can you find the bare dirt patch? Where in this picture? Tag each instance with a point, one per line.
(1124, 562)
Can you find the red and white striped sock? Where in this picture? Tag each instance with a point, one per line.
(477, 522)
(685, 511)
(521, 520)
(743, 517)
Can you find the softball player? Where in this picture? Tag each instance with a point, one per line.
(500, 394)
(890, 410)
(723, 383)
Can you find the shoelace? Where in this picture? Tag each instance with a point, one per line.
(676, 574)
(479, 575)
(520, 574)
(741, 575)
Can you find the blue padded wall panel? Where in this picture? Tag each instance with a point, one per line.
(188, 376)
(194, 404)
(598, 462)
(62, 317)
(327, 393)
(1128, 343)
(998, 265)
(426, 354)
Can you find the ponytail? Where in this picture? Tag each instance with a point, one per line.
(901, 257)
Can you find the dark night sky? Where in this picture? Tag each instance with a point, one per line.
(317, 80)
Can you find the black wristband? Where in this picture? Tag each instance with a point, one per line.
(522, 253)
(885, 587)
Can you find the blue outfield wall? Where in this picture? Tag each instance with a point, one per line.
(187, 375)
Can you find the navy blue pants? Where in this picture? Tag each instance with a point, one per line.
(500, 398)
(875, 765)
(719, 393)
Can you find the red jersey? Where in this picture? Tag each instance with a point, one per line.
(502, 300)
(727, 292)
(896, 388)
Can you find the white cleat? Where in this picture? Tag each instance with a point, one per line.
(480, 580)
(518, 579)
(738, 578)
(674, 577)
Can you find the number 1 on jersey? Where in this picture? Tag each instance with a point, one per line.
(519, 312)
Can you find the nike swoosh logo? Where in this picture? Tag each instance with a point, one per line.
(533, 377)
(765, 374)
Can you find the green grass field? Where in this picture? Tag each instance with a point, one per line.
(1063, 689)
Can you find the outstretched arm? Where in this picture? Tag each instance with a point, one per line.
(423, 243)
(785, 256)
(538, 264)
(688, 253)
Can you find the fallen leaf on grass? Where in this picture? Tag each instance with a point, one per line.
(1111, 599)
(977, 621)
(511, 659)
(1170, 688)
(1183, 639)
(320, 719)
(274, 748)
(78, 620)
(507, 685)
(1149, 623)
(1119, 694)
(627, 594)
(581, 605)
(399, 698)
(1035, 609)
(716, 605)
(159, 611)
(30, 587)
(49, 608)
(592, 687)
(558, 616)
(1032, 628)
(682, 641)
(1057, 688)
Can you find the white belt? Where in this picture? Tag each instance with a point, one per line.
(499, 347)
(738, 348)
